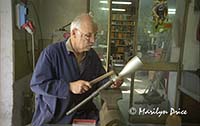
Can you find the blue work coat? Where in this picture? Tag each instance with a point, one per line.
(55, 69)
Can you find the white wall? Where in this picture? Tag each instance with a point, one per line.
(191, 58)
(6, 65)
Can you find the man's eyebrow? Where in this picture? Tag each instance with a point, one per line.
(91, 33)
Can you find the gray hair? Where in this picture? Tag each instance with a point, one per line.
(76, 23)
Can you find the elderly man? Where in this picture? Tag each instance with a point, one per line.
(60, 79)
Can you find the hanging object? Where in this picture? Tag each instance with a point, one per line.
(159, 12)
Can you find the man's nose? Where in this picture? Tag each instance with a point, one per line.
(93, 38)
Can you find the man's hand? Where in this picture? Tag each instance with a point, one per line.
(117, 83)
(79, 87)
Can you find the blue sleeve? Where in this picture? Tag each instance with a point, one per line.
(99, 70)
(44, 81)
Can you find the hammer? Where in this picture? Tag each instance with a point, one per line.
(101, 77)
(134, 64)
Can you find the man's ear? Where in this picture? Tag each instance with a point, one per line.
(74, 32)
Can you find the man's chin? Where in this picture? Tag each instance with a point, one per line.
(89, 47)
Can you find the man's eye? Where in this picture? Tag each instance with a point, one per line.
(87, 35)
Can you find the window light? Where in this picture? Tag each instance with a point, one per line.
(113, 9)
(116, 2)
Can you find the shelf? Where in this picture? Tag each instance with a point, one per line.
(128, 38)
(122, 20)
(123, 25)
(130, 32)
(121, 45)
(122, 30)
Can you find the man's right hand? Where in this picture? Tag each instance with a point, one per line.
(79, 87)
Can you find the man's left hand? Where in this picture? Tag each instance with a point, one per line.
(117, 83)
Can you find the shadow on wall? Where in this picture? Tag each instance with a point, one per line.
(23, 102)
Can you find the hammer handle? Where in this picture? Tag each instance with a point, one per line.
(101, 77)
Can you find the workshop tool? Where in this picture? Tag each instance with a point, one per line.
(134, 64)
(101, 77)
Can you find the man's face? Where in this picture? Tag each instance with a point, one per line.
(85, 37)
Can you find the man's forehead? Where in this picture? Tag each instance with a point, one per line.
(89, 27)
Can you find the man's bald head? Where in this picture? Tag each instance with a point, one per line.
(82, 21)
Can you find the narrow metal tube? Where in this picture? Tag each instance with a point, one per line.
(90, 97)
(33, 50)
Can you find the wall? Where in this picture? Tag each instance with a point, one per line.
(23, 102)
(6, 63)
(55, 14)
(175, 54)
(22, 42)
(191, 58)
